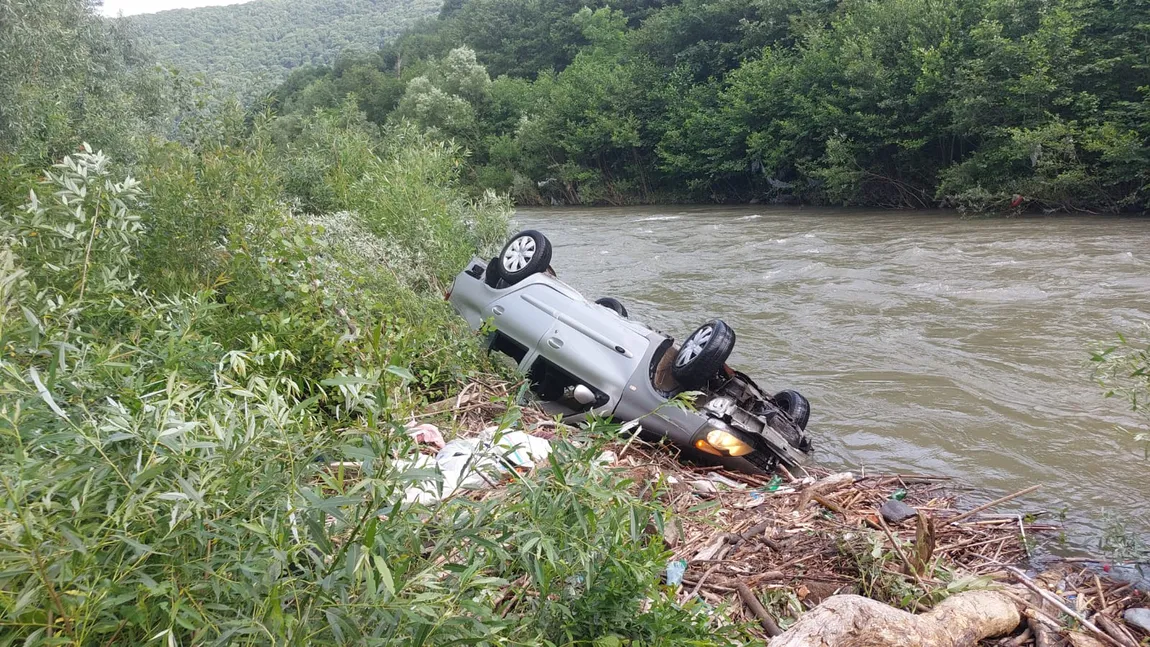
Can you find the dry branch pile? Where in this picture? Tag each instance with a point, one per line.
(770, 550)
(803, 543)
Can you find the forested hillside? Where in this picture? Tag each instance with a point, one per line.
(980, 104)
(252, 46)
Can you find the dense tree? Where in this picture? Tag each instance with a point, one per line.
(447, 100)
(900, 103)
(251, 47)
(67, 76)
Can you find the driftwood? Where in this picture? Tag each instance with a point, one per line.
(1114, 629)
(768, 623)
(824, 486)
(749, 530)
(1045, 630)
(1056, 601)
(854, 621)
(1079, 639)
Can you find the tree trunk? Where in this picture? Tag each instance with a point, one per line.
(854, 621)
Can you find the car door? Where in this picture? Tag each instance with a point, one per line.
(515, 317)
(592, 344)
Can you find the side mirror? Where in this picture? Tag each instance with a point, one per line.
(583, 395)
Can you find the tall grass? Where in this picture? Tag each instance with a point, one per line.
(169, 409)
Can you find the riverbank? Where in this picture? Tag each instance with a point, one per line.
(766, 551)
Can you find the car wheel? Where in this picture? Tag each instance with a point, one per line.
(613, 304)
(527, 253)
(703, 354)
(797, 408)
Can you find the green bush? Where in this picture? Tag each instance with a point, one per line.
(402, 186)
(160, 482)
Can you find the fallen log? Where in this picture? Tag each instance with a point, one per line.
(854, 621)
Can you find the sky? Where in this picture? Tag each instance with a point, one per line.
(133, 7)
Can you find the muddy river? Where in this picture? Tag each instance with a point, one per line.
(926, 342)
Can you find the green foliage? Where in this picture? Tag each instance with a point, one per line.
(202, 393)
(251, 47)
(68, 77)
(402, 188)
(164, 476)
(1123, 371)
(913, 103)
(214, 208)
(446, 99)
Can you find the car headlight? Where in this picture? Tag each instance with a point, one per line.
(723, 443)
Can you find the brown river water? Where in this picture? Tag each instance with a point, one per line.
(926, 342)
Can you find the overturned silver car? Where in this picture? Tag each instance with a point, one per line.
(585, 358)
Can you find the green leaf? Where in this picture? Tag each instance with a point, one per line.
(344, 380)
(45, 395)
(384, 574)
(401, 372)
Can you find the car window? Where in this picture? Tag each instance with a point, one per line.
(508, 346)
(554, 385)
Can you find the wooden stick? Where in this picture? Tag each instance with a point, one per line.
(768, 623)
(906, 477)
(709, 585)
(1053, 599)
(1116, 631)
(756, 530)
(985, 506)
(1032, 612)
(902, 555)
(824, 486)
(699, 584)
(1042, 632)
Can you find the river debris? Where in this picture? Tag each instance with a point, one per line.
(797, 541)
(767, 550)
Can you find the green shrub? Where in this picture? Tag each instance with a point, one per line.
(401, 186)
(211, 212)
(161, 483)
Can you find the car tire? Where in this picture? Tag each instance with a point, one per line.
(797, 408)
(527, 253)
(703, 354)
(613, 304)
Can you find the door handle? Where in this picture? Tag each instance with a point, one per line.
(555, 342)
(497, 310)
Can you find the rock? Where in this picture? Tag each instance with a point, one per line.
(1138, 617)
(895, 511)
